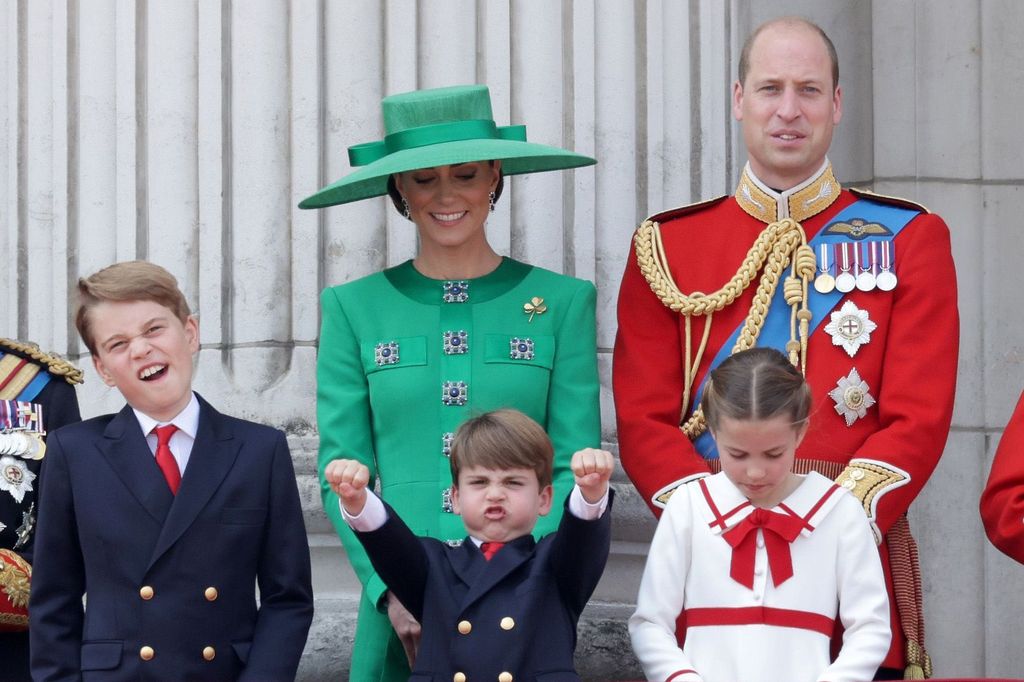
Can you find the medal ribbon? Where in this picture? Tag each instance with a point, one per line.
(775, 332)
(779, 530)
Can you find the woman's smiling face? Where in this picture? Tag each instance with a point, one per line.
(450, 204)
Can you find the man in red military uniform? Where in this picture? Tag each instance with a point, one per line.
(859, 289)
(1002, 501)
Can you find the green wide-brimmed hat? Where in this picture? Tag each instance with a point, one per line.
(439, 127)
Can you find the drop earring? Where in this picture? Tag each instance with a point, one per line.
(490, 202)
(405, 207)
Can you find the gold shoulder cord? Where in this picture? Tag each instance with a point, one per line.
(55, 365)
(779, 245)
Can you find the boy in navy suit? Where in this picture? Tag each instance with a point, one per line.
(500, 606)
(167, 514)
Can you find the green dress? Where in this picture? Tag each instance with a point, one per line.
(405, 359)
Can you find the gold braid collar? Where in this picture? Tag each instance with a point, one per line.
(780, 245)
(55, 365)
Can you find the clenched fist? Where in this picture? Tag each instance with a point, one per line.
(593, 469)
(348, 479)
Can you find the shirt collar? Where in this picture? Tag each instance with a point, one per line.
(812, 500)
(807, 199)
(187, 420)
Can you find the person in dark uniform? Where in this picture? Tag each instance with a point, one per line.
(168, 514)
(497, 605)
(37, 395)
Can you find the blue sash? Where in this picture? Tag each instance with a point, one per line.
(34, 387)
(775, 332)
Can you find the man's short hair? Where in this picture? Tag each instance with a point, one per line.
(135, 280)
(500, 440)
(789, 21)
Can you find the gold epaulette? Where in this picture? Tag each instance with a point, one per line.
(868, 480)
(680, 211)
(54, 365)
(886, 199)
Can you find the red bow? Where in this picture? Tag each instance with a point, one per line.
(779, 531)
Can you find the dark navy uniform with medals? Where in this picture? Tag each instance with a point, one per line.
(37, 395)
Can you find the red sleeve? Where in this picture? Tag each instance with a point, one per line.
(647, 380)
(1002, 501)
(918, 370)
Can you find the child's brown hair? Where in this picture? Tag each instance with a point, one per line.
(759, 383)
(502, 439)
(135, 280)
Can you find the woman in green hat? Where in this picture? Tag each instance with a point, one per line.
(407, 354)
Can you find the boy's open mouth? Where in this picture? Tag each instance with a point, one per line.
(152, 372)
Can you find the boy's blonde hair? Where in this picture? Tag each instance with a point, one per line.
(135, 280)
(503, 439)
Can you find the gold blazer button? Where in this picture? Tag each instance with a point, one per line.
(507, 623)
(209, 653)
(146, 653)
(211, 594)
(146, 592)
(465, 627)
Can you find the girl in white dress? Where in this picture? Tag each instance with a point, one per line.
(761, 561)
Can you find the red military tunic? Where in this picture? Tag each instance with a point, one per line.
(1002, 501)
(909, 364)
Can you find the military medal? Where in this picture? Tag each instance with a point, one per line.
(824, 283)
(28, 522)
(15, 477)
(887, 278)
(850, 327)
(845, 281)
(864, 261)
(851, 397)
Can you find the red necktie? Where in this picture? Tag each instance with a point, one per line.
(165, 458)
(779, 530)
(489, 549)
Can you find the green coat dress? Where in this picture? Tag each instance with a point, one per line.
(404, 360)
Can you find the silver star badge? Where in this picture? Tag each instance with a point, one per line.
(15, 477)
(850, 327)
(852, 397)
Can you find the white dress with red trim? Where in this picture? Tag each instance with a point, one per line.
(761, 589)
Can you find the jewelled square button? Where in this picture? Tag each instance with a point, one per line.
(521, 349)
(456, 291)
(386, 353)
(456, 343)
(454, 393)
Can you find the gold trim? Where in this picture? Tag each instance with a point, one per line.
(780, 245)
(15, 578)
(55, 364)
(889, 199)
(17, 377)
(756, 202)
(805, 203)
(868, 481)
(816, 197)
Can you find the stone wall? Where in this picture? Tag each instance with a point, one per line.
(186, 131)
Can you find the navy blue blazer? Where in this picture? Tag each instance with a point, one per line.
(170, 580)
(516, 613)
